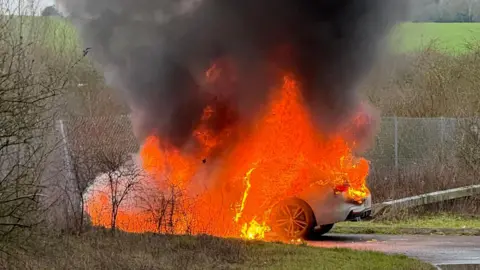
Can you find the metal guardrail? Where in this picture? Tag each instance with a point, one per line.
(428, 198)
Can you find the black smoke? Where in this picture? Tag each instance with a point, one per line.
(157, 53)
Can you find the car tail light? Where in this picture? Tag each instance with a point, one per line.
(341, 188)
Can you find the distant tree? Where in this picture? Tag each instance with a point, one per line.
(51, 11)
(85, 169)
(122, 177)
(425, 10)
(445, 10)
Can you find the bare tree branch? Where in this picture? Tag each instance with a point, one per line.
(31, 83)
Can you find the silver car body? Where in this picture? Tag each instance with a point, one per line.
(330, 208)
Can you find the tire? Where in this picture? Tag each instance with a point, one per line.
(324, 229)
(292, 219)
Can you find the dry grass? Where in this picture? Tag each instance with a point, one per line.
(99, 250)
(388, 183)
(414, 180)
(426, 84)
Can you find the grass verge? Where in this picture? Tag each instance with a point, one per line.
(100, 250)
(452, 38)
(440, 224)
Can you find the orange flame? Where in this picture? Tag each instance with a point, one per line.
(281, 155)
(254, 230)
(245, 194)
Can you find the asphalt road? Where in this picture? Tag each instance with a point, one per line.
(438, 250)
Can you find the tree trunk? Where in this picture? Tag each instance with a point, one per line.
(172, 211)
(114, 218)
(82, 213)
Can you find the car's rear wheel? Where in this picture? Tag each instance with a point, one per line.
(323, 229)
(292, 219)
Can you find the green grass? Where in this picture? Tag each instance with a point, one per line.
(55, 34)
(439, 221)
(99, 250)
(407, 37)
(448, 37)
(442, 224)
(453, 38)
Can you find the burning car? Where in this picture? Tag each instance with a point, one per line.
(282, 175)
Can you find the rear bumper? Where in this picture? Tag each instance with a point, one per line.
(360, 211)
(359, 215)
(330, 208)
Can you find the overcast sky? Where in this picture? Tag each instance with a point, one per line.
(12, 6)
(45, 3)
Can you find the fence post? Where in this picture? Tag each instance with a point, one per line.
(69, 173)
(395, 123)
(65, 146)
(66, 153)
(442, 138)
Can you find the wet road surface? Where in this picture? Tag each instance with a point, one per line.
(438, 250)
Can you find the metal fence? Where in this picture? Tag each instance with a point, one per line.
(400, 141)
(406, 141)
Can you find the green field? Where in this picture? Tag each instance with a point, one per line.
(453, 38)
(53, 33)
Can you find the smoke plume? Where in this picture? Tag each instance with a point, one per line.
(157, 52)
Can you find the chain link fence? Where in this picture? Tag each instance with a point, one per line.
(401, 142)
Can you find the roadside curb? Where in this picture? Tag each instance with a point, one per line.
(407, 230)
